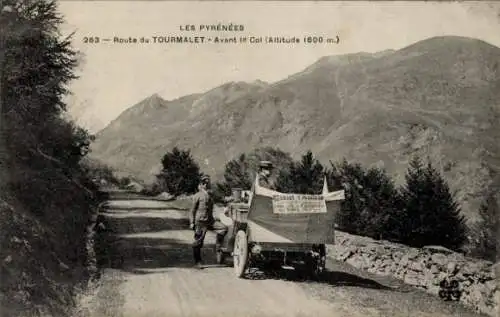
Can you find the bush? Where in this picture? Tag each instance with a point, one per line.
(123, 182)
(430, 214)
(99, 172)
(151, 190)
(180, 173)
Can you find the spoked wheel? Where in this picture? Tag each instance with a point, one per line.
(240, 253)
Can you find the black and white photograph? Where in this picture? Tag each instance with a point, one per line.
(249, 158)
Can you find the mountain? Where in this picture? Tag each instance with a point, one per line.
(436, 98)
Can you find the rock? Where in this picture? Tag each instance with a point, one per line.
(353, 249)
(439, 259)
(389, 270)
(474, 296)
(433, 289)
(496, 269)
(438, 249)
(434, 269)
(412, 279)
(460, 277)
(404, 260)
(441, 276)
(413, 253)
(345, 255)
(417, 266)
(400, 274)
(428, 278)
(491, 286)
(355, 261)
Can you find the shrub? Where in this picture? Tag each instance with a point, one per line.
(151, 190)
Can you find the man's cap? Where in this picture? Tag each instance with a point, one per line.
(266, 164)
(205, 179)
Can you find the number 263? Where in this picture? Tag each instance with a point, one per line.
(93, 39)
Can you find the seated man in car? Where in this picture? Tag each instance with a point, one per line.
(265, 175)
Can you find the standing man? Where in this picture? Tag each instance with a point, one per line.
(201, 219)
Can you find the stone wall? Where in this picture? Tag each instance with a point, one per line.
(423, 268)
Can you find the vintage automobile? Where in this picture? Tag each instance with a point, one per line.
(275, 230)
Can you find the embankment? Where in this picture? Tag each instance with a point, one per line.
(423, 268)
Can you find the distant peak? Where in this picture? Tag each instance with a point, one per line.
(259, 82)
(155, 96)
(448, 41)
(237, 85)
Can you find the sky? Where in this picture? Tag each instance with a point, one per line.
(114, 77)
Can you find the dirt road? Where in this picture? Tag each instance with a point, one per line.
(149, 274)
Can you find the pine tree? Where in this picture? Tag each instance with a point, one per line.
(381, 214)
(371, 204)
(431, 216)
(349, 177)
(489, 228)
(304, 177)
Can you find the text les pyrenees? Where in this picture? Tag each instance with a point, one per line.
(213, 27)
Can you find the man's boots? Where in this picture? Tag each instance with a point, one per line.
(197, 257)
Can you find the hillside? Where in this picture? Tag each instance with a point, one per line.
(438, 97)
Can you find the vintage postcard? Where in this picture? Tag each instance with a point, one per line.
(249, 158)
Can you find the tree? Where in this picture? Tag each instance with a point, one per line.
(384, 205)
(488, 229)
(371, 204)
(220, 191)
(237, 173)
(180, 173)
(240, 172)
(281, 161)
(349, 177)
(431, 216)
(50, 190)
(303, 177)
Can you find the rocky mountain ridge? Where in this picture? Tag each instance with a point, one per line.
(437, 98)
